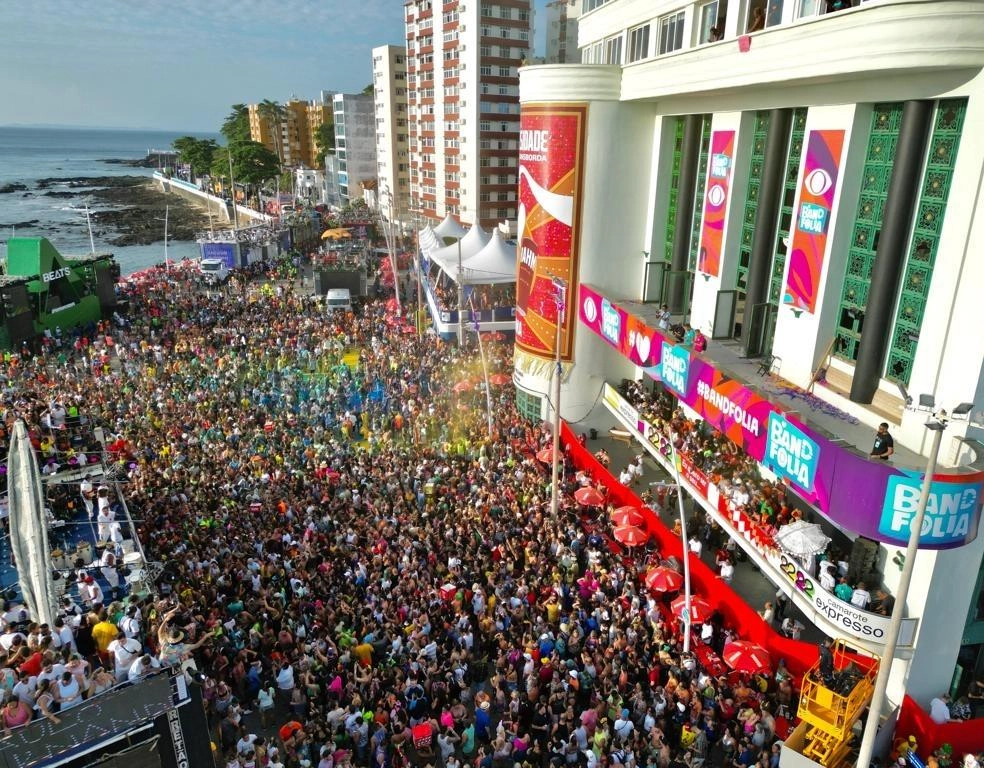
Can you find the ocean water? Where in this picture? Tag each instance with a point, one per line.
(30, 154)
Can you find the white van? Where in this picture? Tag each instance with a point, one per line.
(338, 298)
(214, 271)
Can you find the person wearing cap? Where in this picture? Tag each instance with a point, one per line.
(91, 593)
(173, 649)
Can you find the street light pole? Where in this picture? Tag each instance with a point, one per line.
(560, 286)
(937, 424)
(461, 300)
(686, 546)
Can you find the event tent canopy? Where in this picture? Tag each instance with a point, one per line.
(493, 265)
(447, 257)
(450, 229)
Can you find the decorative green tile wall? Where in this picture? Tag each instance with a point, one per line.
(886, 120)
(529, 406)
(930, 211)
(797, 133)
(760, 137)
(674, 187)
(705, 146)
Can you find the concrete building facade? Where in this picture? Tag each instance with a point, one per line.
(804, 187)
(389, 79)
(463, 98)
(354, 160)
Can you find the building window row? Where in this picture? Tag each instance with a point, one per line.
(505, 33)
(499, 12)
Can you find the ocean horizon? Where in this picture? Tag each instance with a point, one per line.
(29, 154)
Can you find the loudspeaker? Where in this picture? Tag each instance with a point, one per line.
(863, 561)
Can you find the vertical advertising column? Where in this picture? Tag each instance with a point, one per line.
(551, 158)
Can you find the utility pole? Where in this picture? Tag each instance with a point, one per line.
(560, 286)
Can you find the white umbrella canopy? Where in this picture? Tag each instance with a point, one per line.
(802, 539)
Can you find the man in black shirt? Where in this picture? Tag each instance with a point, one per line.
(884, 445)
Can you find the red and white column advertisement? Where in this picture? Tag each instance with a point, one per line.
(551, 173)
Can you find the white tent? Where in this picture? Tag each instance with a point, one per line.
(450, 228)
(447, 257)
(428, 241)
(493, 265)
(28, 528)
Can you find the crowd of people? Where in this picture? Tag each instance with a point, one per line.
(480, 297)
(766, 504)
(350, 554)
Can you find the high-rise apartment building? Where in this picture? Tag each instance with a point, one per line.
(561, 26)
(294, 139)
(389, 79)
(463, 97)
(354, 160)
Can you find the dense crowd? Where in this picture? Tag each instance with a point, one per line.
(479, 297)
(766, 503)
(349, 553)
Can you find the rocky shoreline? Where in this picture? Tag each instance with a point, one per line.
(134, 207)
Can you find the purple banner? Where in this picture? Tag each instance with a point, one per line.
(869, 497)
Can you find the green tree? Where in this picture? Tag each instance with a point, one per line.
(324, 139)
(369, 90)
(236, 125)
(253, 163)
(274, 112)
(198, 153)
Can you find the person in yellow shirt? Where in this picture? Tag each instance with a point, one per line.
(103, 633)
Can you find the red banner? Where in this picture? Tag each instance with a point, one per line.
(551, 158)
(692, 475)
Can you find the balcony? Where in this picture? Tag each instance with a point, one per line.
(914, 37)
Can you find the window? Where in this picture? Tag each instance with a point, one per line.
(504, 72)
(451, 36)
(707, 16)
(670, 33)
(450, 54)
(590, 5)
(613, 49)
(639, 43)
(486, 69)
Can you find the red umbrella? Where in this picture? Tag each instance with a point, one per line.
(589, 497)
(494, 336)
(628, 516)
(630, 535)
(700, 609)
(462, 386)
(663, 579)
(746, 656)
(545, 455)
(499, 379)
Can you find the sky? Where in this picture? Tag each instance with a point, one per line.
(179, 65)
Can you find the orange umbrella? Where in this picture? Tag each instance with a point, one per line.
(499, 379)
(589, 497)
(462, 386)
(630, 535)
(746, 656)
(700, 609)
(545, 455)
(663, 579)
(628, 516)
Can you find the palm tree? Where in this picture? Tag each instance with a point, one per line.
(274, 112)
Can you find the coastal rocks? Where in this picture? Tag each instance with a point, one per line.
(6, 189)
(129, 208)
(20, 224)
(140, 217)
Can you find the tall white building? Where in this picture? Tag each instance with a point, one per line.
(561, 29)
(800, 181)
(463, 96)
(354, 160)
(389, 80)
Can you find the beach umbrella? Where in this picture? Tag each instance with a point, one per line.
(589, 497)
(700, 609)
(802, 539)
(462, 386)
(545, 455)
(628, 516)
(499, 379)
(630, 535)
(663, 579)
(746, 656)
